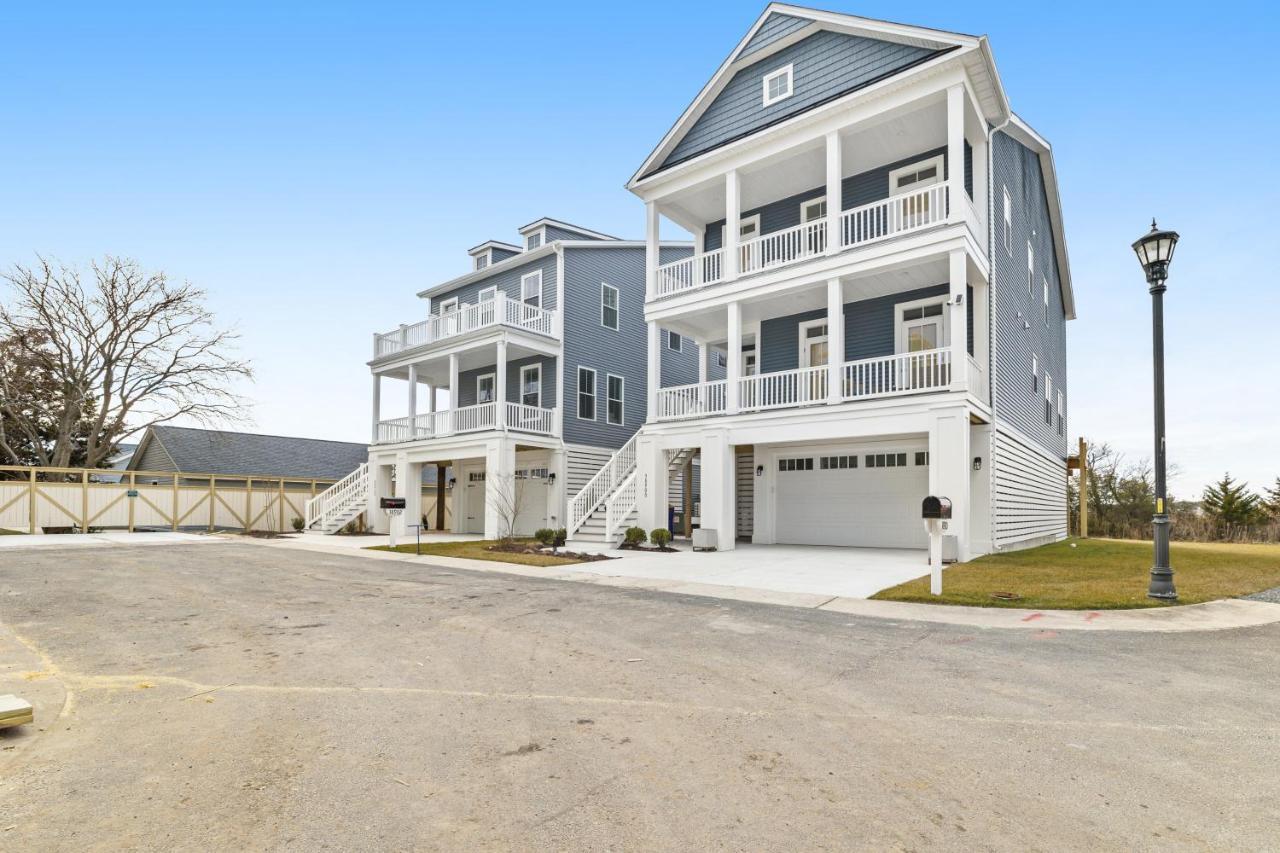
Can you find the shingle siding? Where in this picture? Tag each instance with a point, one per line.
(507, 281)
(825, 65)
(1019, 330)
(774, 28)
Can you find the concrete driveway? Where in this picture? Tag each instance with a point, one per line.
(845, 572)
(250, 697)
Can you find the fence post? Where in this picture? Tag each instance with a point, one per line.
(1084, 490)
(213, 498)
(133, 487)
(248, 506)
(175, 502)
(31, 508)
(280, 523)
(84, 501)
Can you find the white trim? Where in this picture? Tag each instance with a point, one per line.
(540, 234)
(617, 306)
(938, 162)
(479, 379)
(679, 339)
(1031, 267)
(1044, 289)
(493, 244)
(563, 226)
(787, 70)
(483, 260)
(1008, 220)
(622, 399)
(749, 353)
(447, 305)
(900, 324)
(488, 293)
(805, 340)
(520, 394)
(753, 219)
(804, 209)
(577, 388)
(524, 297)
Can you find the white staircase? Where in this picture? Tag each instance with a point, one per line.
(606, 506)
(340, 504)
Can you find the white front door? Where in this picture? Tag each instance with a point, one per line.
(473, 486)
(813, 353)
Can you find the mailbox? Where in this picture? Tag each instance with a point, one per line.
(391, 503)
(935, 507)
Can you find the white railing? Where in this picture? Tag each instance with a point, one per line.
(892, 216)
(688, 273)
(467, 318)
(531, 418)
(690, 401)
(339, 498)
(599, 487)
(396, 429)
(475, 418)
(783, 389)
(783, 247)
(978, 381)
(620, 505)
(906, 373)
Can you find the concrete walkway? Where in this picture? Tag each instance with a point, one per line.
(1212, 616)
(79, 540)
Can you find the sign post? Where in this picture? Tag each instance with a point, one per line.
(936, 513)
(394, 508)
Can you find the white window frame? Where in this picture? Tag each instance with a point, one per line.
(488, 293)
(937, 161)
(524, 290)
(805, 340)
(448, 305)
(900, 322)
(481, 378)
(1035, 373)
(1031, 266)
(579, 391)
(1008, 222)
(540, 235)
(483, 260)
(1048, 399)
(605, 287)
(1044, 286)
(608, 399)
(787, 71)
(813, 202)
(524, 371)
(753, 219)
(678, 339)
(750, 363)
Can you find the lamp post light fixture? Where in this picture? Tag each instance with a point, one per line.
(1155, 252)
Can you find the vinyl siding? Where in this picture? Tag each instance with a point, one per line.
(467, 381)
(825, 66)
(501, 254)
(553, 233)
(855, 191)
(1019, 331)
(1029, 493)
(775, 27)
(507, 281)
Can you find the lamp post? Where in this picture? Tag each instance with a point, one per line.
(1155, 251)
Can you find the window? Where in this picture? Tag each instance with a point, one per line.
(1031, 266)
(1061, 410)
(533, 241)
(485, 388)
(886, 460)
(1008, 223)
(531, 289)
(532, 473)
(748, 227)
(531, 385)
(1035, 374)
(720, 359)
(449, 305)
(482, 261)
(613, 410)
(836, 463)
(813, 210)
(586, 394)
(917, 176)
(922, 457)
(1044, 287)
(777, 85)
(749, 363)
(813, 343)
(1048, 397)
(922, 325)
(609, 306)
(488, 294)
(795, 464)
(674, 342)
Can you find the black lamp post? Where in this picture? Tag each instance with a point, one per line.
(1155, 251)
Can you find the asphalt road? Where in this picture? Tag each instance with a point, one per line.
(231, 696)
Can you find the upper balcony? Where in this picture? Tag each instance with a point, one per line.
(498, 311)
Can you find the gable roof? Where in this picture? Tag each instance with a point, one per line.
(493, 244)
(1024, 133)
(209, 451)
(564, 226)
(780, 26)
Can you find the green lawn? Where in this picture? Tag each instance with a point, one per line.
(7, 532)
(1099, 574)
(477, 550)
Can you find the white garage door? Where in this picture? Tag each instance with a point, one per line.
(859, 496)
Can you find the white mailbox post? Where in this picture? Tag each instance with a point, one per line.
(936, 513)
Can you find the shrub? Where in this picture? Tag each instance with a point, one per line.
(298, 524)
(545, 536)
(660, 536)
(634, 536)
(562, 536)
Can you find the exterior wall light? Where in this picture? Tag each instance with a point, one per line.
(977, 463)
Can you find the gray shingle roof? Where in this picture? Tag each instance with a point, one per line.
(208, 451)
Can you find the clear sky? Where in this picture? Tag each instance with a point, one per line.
(314, 164)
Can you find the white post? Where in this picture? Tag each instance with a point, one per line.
(377, 405)
(560, 382)
(654, 374)
(834, 165)
(950, 472)
(718, 488)
(375, 514)
(651, 484)
(955, 153)
(500, 386)
(732, 225)
(453, 390)
(500, 485)
(733, 364)
(959, 321)
(703, 350)
(651, 246)
(835, 341)
(413, 401)
(431, 399)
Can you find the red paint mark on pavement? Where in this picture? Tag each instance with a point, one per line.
(1032, 617)
(1094, 615)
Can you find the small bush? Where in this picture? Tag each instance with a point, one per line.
(545, 536)
(298, 524)
(634, 536)
(562, 536)
(660, 536)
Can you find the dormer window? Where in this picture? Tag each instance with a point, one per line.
(482, 260)
(533, 241)
(777, 85)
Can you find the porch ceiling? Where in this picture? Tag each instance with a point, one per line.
(433, 369)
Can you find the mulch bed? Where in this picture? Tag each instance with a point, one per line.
(665, 549)
(538, 550)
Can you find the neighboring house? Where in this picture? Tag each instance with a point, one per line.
(880, 263)
(209, 451)
(540, 347)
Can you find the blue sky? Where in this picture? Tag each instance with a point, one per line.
(312, 165)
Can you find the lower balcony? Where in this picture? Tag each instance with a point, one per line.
(928, 371)
(514, 417)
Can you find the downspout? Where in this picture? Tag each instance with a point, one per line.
(991, 327)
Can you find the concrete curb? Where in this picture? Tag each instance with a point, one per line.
(1220, 615)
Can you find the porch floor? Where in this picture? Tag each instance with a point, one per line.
(846, 572)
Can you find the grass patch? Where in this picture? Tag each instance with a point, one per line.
(6, 532)
(478, 550)
(1099, 574)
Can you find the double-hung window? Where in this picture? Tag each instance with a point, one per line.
(609, 306)
(1048, 399)
(486, 388)
(531, 289)
(1061, 412)
(1044, 287)
(531, 385)
(1031, 266)
(1035, 373)
(614, 404)
(482, 261)
(533, 241)
(1008, 223)
(586, 394)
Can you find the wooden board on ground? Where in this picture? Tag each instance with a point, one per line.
(14, 711)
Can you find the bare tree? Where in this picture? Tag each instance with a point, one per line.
(127, 352)
(506, 494)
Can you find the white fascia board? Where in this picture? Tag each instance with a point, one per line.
(567, 226)
(493, 244)
(1024, 133)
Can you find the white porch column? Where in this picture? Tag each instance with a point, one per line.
(431, 399)
(835, 341)
(955, 153)
(558, 417)
(834, 165)
(453, 389)
(377, 405)
(413, 401)
(557, 499)
(732, 225)
(950, 462)
(651, 245)
(500, 386)
(653, 376)
(651, 484)
(959, 321)
(500, 486)
(733, 362)
(409, 487)
(703, 352)
(375, 515)
(718, 488)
